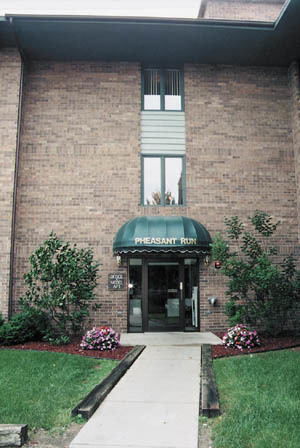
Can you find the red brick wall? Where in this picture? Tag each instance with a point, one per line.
(240, 157)
(10, 69)
(80, 162)
(295, 116)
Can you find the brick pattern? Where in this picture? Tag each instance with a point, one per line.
(295, 118)
(10, 69)
(80, 163)
(250, 10)
(239, 158)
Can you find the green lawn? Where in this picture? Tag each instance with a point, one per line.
(260, 401)
(42, 388)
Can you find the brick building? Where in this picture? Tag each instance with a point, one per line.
(136, 137)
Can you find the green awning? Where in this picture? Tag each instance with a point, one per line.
(162, 234)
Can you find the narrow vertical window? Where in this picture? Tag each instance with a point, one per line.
(172, 90)
(135, 294)
(152, 181)
(173, 181)
(152, 89)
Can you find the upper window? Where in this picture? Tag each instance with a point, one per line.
(162, 89)
(163, 180)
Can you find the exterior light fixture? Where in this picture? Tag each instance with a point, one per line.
(217, 264)
(207, 260)
(119, 260)
(212, 301)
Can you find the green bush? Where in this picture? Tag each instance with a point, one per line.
(262, 288)
(61, 282)
(28, 325)
(1, 320)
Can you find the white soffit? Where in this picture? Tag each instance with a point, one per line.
(117, 8)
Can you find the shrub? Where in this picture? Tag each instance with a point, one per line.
(241, 337)
(102, 338)
(56, 340)
(61, 282)
(263, 289)
(1, 320)
(28, 325)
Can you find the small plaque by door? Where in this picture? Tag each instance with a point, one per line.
(116, 281)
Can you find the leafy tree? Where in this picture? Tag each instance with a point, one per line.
(261, 289)
(61, 282)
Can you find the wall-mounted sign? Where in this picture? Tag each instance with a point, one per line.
(116, 281)
(168, 241)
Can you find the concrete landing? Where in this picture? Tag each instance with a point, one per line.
(169, 339)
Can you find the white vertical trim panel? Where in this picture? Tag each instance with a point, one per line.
(162, 132)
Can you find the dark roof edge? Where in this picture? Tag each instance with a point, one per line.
(145, 20)
(282, 13)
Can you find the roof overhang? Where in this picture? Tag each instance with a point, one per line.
(156, 41)
(162, 234)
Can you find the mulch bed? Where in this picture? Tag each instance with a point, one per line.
(73, 349)
(267, 344)
(218, 351)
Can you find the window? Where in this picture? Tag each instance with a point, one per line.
(163, 180)
(162, 89)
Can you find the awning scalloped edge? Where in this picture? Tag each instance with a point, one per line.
(165, 251)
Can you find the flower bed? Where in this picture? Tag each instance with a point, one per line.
(100, 338)
(267, 344)
(241, 337)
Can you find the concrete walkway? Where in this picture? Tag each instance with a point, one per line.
(156, 403)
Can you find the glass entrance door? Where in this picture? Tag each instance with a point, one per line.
(164, 296)
(191, 306)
